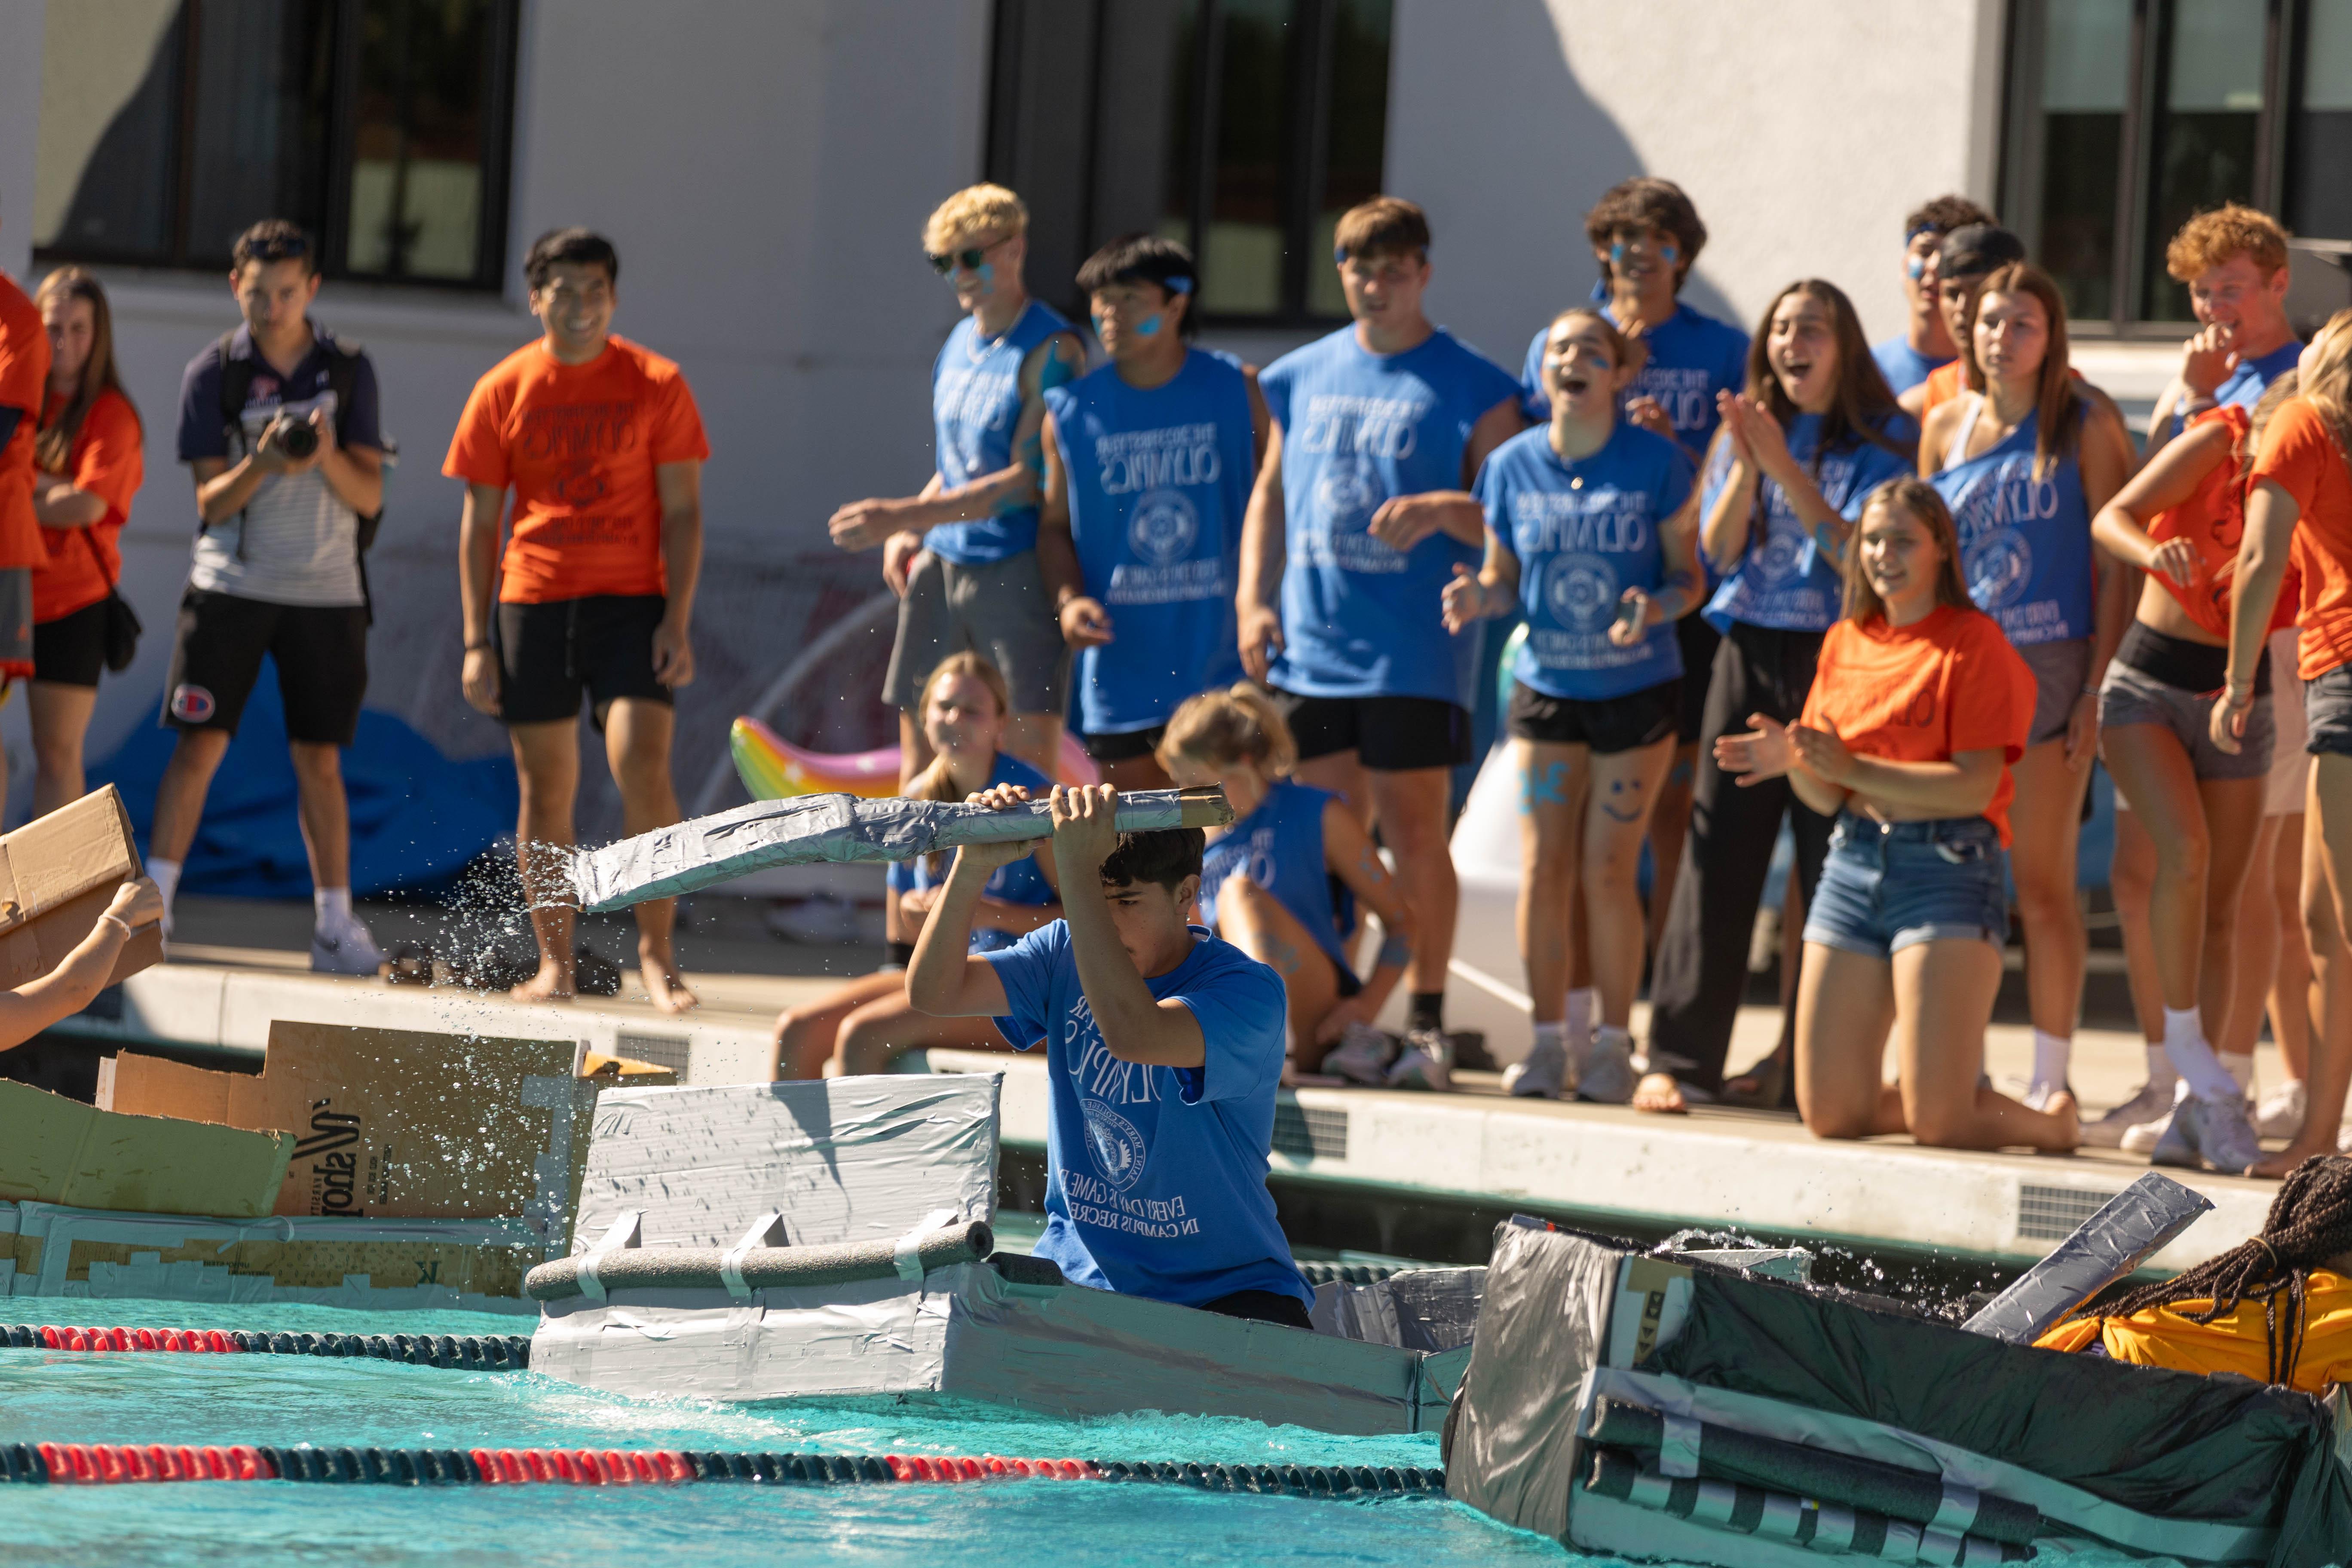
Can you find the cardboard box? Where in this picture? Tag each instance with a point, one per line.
(59, 1151)
(395, 1123)
(58, 874)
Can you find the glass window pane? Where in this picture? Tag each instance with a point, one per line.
(104, 168)
(1242, 249)
(1355, 136)
(2086, 61)
(416, 155)
(2320, 137)
(2206, 131)
(263, 71)
(1143, 144)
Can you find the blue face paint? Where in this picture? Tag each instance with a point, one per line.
(986, 273)
(1915, 267)
(1149, 326)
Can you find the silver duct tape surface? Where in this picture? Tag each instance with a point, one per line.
(964, 1332)
(758, 1267)
(2129, 1228)
(843, 1158)
(842, 828)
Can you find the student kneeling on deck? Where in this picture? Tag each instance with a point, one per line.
(1164, 1045)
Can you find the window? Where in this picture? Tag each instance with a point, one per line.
(2127, 117)
(381, 126)
(1243, 128)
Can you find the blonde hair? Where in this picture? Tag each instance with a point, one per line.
(2210, 238)
(1239, 724)
(1924, 503)
(2328, 389)
(935, 782)
(100, 374)
(973, 210)
(2057, 402)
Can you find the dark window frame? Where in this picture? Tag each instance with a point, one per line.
(502, 50)
(1308, 91)
(2286, 24)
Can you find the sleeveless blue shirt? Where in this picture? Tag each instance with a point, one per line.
(1359, 619)
(1018, 882)
(1585, 532)
(1692, 357)
(1280, 844)
(2025, 543)
(1784, 581)
(1158, 481)
(975, 410)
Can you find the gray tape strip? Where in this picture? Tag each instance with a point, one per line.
(1652, 1491)
(589, 1286)
(1782, 1514)
(1678, 1448)
(1957, 1514)
(1834, 1529)
(1941, 1547)
(1901, 1543)
(1715, 1501)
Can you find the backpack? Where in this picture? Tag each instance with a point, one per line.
(343, 376)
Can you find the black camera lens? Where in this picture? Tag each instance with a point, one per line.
(298, 440)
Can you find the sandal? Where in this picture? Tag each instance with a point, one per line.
(1768, 1086)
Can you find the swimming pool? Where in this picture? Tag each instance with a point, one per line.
(79, 1397)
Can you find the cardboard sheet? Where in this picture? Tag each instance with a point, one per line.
(58, 874)
(394, 1124)
(58, 1150)
(843, 1158)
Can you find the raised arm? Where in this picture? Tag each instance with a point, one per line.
(74, 983)
(1136, 1025)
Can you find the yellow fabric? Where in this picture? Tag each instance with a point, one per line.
(2161, 1337)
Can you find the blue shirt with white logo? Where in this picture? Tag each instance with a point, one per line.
(1358, 618)
(1157, 480)
(1584, 531)
(975, 411)
(1692, 357)
(2025, 543)
(1280, 846)
(1904, 366)
(1016, 882)
(1786, 580)
(1155, 1176)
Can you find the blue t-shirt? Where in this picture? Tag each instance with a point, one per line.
(1018, 882)
(2025, 543)
(1155, 1176)
(1280, 846)
(1157, 482)
(1359, 619)
(2245, 385)
(975, 411)
(1904, 366)
(1785, 581)
(1584, 532)
(1692, 357)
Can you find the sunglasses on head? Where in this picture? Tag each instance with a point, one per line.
(969, 258)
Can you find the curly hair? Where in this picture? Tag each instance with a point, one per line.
(1942, 216)
(1647, 201)
(973, 210)
(2211, 239)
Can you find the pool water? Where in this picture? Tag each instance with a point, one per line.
(80, 1397)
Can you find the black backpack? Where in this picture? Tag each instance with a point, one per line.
(343, 376)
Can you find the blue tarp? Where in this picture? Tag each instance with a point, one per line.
(417, 818)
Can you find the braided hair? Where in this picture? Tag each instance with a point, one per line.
(2309, 1224)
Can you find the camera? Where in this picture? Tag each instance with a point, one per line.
(295, 437)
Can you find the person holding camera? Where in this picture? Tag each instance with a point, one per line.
(278, 427)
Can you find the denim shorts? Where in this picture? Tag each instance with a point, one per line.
(1887, 886)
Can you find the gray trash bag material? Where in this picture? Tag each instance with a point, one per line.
(2129, 1229)
(843, 829)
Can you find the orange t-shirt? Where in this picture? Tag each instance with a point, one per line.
(1944, 383)
(24, 382)
(1926, 692)
(2301, 458)
(579, 444)
(107, 459)
(2213, 518)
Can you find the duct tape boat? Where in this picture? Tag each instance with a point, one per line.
(1643, 1406)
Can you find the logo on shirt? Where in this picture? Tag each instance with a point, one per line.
(1163, 527)
(1582, 591)
(193, 705)
(1116, 1146)
(1777, 560)
(1999, 566)
(1349, 491)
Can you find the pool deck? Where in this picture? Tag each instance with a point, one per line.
(1715, 1166)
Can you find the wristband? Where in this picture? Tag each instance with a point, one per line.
(120, 925)
(481, 646)
(2089, 691)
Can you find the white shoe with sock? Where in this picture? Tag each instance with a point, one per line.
(339, 944)
(2152, 1104)
(1544, 1073)
(2280, 1114)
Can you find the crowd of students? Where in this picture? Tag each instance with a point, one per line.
(1896, 598)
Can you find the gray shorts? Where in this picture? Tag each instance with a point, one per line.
(2061, 671)
(2327, 706)
(2131, 695)
(999, 610)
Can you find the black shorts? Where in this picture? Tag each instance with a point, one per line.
(1388, 735)
(1608, 724)
(1261, 1306)
(1699, 639)
(71, 650)
(1126, 745)
(549, 653)
(321, 651)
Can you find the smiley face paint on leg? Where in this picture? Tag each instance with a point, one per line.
(1624, 801)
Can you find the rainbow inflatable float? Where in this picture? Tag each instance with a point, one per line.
(772, 768)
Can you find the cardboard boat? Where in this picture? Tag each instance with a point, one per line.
(829, 1239)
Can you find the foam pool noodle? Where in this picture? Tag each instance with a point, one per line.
(772, 768)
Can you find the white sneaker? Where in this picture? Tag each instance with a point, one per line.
(1607, 1075)
(1426, 1062)
(2037, 1096)
(2147, 1137)
(350, 951)
(1362, 1056)
(1542, 1076)
(2220, 1132)
(2152, 1103)
(2280, 1114)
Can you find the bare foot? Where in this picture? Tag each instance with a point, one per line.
(664, 989)
(2279, 1165)
(2070, 1120)
(1659, 1095)
(553, 983)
